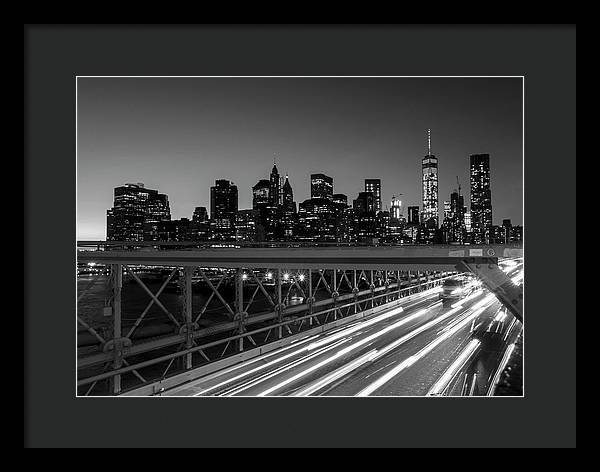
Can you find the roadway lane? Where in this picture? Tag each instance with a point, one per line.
(421, 347)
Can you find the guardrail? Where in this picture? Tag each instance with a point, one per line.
(285, 324)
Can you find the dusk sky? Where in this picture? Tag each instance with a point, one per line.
(178, 135)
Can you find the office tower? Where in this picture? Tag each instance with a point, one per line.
(516, 234)
(364, 216)
(340, 199)
(413, 215)
(260, 194)
(246, 225)
(287, 193)
(396, 208)
(223, 208)
(429, 215)
(374, 186)
(200, 215)
(344, 224)
(321, 186)
(288, 213)
(457, 217)
(507, 231)
(365, 202)
(382, 223)
(136, 209)
(275, 187)
(447, 212)
(317, 220)
(174, 230)
(260, 203)
(481, 198)
(468, 221)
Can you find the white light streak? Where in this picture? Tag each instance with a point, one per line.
(412, 359)
(443, 382)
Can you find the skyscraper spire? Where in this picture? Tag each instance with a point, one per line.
(429, 142)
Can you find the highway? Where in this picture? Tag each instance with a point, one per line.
(423, 347)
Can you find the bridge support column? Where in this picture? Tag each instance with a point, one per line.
(240, 315)
(117, 284)
(496, 280)
(387, 286)
(279, 304)
(334, 294)
(310, 300)
(189, 326)
(355, 291)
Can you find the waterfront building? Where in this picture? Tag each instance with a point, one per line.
(135, 212)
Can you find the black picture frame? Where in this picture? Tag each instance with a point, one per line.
(55, 54)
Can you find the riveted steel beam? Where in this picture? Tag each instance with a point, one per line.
(497, 281)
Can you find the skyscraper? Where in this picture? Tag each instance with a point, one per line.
(340, 199)
(288, 195)
(413, 215)
(321, 186)
(260, 203)
(317, 220)
(288, 213)
(200, 215)
(481, 198)
(396, 208)
(136, 211)
(365, 202)
(430, 213)
(275, 187)
(374, 186)
(224, 207)
(457, 209)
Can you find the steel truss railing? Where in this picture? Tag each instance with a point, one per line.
(283, 320)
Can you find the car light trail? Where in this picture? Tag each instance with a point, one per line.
(416, 332)
(501, 316)
(280, 370)
(340, 332)
(252, 371)
(358, 326)
(336, 374)
(510, 327)
(468, 299)
(500, 369)
(423, 352)
(483, 302)
(378, 353)
(444, 381)
(346, 350)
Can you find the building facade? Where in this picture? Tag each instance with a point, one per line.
(135, 213)
(321, 186)
(481, 198)
(374, 186)
(429, 168)
(223, 208)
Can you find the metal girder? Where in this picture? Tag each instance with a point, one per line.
(436, 258)
(497, 281)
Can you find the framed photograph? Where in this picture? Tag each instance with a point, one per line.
(331, 237)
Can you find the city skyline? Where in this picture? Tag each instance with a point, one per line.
(399, 173)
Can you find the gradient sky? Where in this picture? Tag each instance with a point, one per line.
(178, 135)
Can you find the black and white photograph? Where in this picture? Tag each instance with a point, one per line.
(300, 236)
